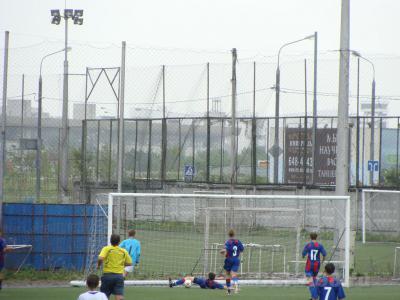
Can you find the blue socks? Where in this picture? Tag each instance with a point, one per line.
(180, 281)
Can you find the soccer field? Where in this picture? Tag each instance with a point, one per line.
(144, 293)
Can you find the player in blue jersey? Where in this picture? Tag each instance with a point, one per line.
(328, 287)
(203, 283)
(313, 251)
(3, 249)
(232, 250)
(132, 246)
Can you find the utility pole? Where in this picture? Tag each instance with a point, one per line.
(358, 125)
(315, 107)
(342, 152)
(4, 123)
(233, 121)
(342, 181)
(22, 107)
(121, 120)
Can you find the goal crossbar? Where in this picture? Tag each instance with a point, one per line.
(255, 209)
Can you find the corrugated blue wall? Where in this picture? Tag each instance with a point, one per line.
(59, 234)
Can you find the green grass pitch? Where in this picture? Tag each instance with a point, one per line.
(147, 293)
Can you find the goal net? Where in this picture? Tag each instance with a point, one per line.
(380, 215)
(182, 234)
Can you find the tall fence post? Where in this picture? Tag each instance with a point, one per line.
(233, 122)
(121, 120)
(254, 132)
(208, 125)
(4, 123)
(164, 133)
(305, 138)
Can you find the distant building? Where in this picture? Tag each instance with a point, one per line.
(15, 107)
(381, 110)
(78, 111)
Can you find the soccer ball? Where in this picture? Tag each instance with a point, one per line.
(188, 283)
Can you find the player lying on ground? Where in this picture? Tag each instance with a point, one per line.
(328, 287)
(233, 248)
(209, 283)
(313, 251)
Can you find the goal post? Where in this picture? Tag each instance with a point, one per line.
(380, 212)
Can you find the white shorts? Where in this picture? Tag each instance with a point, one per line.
(129, 269)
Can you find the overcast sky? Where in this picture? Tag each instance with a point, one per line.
(252, 26)
(213, 24)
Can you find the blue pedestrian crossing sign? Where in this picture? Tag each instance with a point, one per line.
(189, 170)
(373, 165)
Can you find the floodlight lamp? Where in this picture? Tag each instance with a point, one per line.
(56, 20)
(55, 12)
(68, 13)
(78, 21)
(78, 13)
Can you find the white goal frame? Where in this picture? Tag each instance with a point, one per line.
(364, 209)
(347, 214)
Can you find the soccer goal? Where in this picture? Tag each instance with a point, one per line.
(380, 215)
(182, 234)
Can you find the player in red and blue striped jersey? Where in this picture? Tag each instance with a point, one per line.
(328, 287)
(313, 251)
(232, 250)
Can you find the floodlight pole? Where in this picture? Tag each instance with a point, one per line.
(64, 130)
(76, 16)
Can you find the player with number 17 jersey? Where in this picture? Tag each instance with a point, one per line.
(313, 251)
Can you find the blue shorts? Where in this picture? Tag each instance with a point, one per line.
(112, 283)
(232, 264)
(200, 282)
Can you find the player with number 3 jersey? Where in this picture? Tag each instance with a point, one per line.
(232, 250)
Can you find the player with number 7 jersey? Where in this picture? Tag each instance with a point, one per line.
(328, 287)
